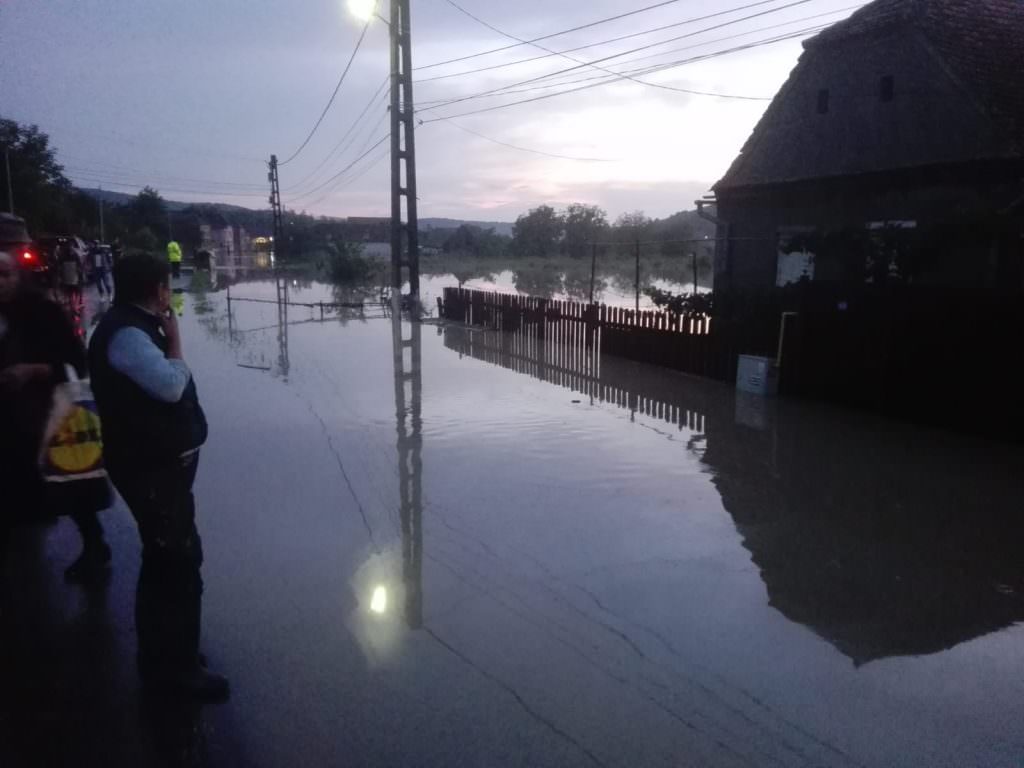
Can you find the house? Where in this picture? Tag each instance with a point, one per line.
(894, 153)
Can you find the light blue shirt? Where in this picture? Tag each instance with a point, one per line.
(134, 354)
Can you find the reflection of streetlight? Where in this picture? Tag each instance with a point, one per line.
(379, 601)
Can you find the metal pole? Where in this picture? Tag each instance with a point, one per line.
(10, 186)
(170, 232)
(694, 255)
(405, 250)
(637, 275)
(103, 238)
(593, 269)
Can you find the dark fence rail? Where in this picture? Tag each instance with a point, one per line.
(682, 341)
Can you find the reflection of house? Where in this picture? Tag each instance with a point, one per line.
(894, 152)
(884, 542)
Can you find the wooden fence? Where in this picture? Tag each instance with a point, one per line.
(684, 342)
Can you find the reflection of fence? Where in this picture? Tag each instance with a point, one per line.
(682, 341)
(571, 363)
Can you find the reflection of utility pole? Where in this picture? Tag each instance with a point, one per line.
(405, 251)
(283, 360)
(10, 186)
(409, 426)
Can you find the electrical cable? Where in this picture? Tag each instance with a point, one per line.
(549, 36)
(639, 49)
(330, 101)
(573, 59)
(649, 70)
(338, 146)
(597, 44)
(527, 149)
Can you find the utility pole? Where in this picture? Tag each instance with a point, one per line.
(694, 257)
(10, 186)
(637, 275)
(405, 251)
(102, 238)
(275, 206)
(170, 231)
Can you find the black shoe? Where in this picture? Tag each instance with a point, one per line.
(199, 685)
(90, 565)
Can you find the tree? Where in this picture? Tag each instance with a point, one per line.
(583, 224)
(149, 210)
(538, 232)
(43, 195)
(475, 241)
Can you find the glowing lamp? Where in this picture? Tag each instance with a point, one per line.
(363, 10)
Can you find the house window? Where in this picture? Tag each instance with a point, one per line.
(823, 101)
(887, 88)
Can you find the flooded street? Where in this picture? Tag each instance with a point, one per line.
(671, 576)
(516, 555)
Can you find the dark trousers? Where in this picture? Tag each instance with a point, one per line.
(176, 269)
(169, 597)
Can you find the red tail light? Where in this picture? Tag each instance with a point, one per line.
(27, 257)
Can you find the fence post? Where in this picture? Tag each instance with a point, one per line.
(637, 275)
(593, 269)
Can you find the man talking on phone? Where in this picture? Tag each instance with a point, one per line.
(153, 428)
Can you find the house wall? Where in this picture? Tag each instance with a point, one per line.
(983, 261)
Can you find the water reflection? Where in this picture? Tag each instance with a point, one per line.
(884, 540)
(408, 378)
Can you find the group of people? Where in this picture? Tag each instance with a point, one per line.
(153, 428)
(74, 269)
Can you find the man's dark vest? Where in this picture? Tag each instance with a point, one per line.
(139, 430)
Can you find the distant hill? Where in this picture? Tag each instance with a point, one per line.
(122, 198)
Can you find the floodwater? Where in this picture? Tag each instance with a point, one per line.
(436, 546)
(615, 287)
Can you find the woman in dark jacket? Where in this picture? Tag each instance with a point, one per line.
(36, 342)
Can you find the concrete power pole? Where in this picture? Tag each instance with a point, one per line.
(275, 206)
(10, 185)
(405, 250)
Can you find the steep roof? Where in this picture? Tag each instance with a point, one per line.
(980, 44)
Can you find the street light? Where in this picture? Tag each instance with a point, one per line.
(364, 10)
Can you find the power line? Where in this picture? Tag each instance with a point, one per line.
(547, 37)
(603, 59)
(649, 70)
(361, 151)
(172, 190)
(644, 70)
(348, 182)
(573, 59)
(154, 178)
(330, 101)
(351, 128)
(608, 41)
(531, 151)
(344, 170)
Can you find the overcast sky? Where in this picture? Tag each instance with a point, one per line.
(192, 96)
